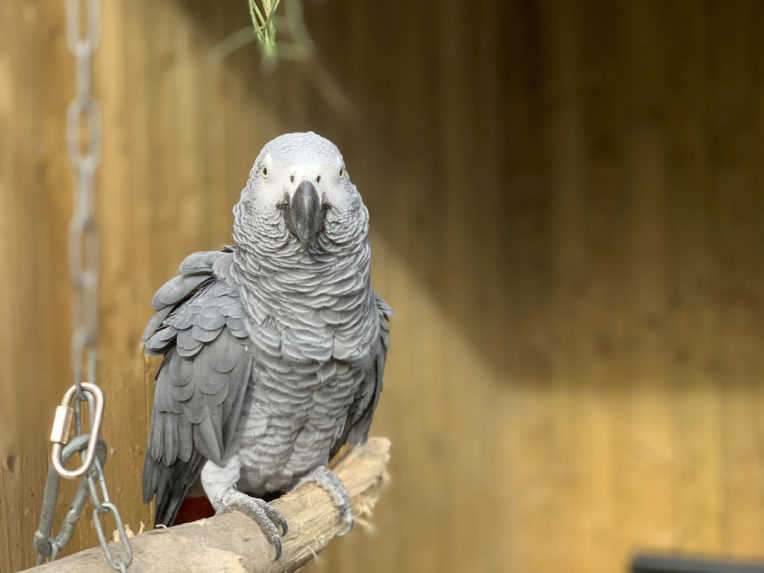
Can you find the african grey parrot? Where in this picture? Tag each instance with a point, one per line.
(274, 348)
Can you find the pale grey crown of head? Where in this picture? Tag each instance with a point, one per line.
(300, 147)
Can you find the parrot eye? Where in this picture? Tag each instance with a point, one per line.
(342, 172)
(264, 171)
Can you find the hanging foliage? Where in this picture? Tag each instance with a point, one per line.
(267, 21)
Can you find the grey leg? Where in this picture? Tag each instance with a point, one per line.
(219, 484)
(264, 514)
(333, 485)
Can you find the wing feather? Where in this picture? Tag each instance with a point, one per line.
(201, 382)
(362, 409)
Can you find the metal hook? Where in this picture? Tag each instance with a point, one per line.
(45, 545)
(60, 431)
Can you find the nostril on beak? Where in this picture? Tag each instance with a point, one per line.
(291, 178)
(318, 179)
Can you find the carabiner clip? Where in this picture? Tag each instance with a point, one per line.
(61, 425)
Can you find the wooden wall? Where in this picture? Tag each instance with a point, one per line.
(567, 211)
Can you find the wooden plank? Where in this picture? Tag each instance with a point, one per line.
(644, 434)
(696, 405)
(33, 311)
(511, 256)
(462, 402)
(551, 479)
(124, 198)
(752, 276)
(9, 408)
(736, 235)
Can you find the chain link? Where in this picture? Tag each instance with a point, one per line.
(85, 157)
(101, 508)
(83, 118)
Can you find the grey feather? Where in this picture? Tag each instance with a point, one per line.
(185, 438)
(201, 262)
(187, 345)
(211, 318)
(200, 386)
(158, 343)
(175, 290)
(182, 393)
(204, 335)
(365, 404)
(155, 322)
(208, 438)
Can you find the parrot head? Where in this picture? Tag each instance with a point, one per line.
(299, 189)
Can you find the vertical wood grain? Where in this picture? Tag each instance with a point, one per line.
(562, 38)
(35, 312)
(644, 434)
(736, 234)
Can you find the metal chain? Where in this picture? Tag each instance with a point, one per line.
(102, 505)
(85, 156)
(83, 232)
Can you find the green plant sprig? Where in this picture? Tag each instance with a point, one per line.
(264, 23)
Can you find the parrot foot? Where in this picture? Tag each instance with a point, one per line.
(265, 515)
(332, 484)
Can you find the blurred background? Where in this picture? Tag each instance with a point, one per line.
(566, 206)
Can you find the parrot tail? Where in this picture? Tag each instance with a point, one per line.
(170, 484)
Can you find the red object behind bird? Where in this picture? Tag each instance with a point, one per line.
(194, 508)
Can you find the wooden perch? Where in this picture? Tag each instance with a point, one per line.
(232, 542)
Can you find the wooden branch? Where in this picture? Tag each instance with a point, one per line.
(232, 542)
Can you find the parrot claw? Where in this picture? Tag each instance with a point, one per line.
(332, 484)
(272, 523)
(276, 541)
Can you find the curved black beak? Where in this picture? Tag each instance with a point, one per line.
(304, 216)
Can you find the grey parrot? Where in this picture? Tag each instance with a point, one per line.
(274, 348)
